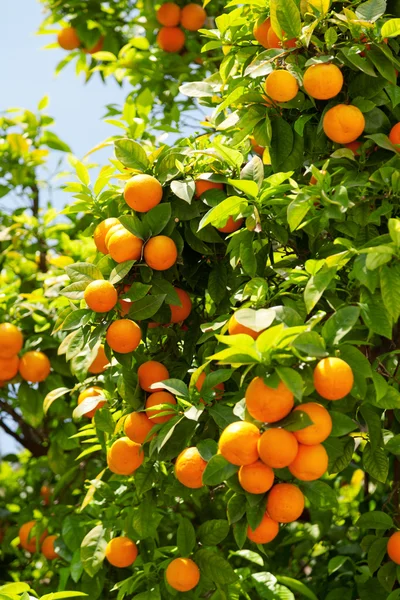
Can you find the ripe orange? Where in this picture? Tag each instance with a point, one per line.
(313, 179)
(26, 542)
(124, 303)
(311, 462)
(281, 86)
(96, 48)
(394, 135)
(89, 393)
(256, 478)
(45, 494)
(99, 235)
(180, 313)
(285, 503)
(321, 428)
(123, 245)
(121, 552)
(277, 448)
(238, 443)
(268, 404)
(123, 336)
(151, 372)
(125, 456)
(169, 14)
(234, 328)
(219, 388)
(100, 362)
(256, 146)
(274, 41)
(333, 378)
(343, 123)
(113, 229)
(203, 185)
(393, 547)
(143, 192)
(231, 225)
(267, 530)
(323, 81)
(171, 39)
(182, 574)
(156, 399)
(11, 340)
(354, 146)
(137, 427)
(68, 39)
(189, 468)
(101, 296)
(34, 366)
(260, 32)
(8, 368)
(48, 547)
(160, 253)
(193, 17)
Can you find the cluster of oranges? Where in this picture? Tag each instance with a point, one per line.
(29, 542)
(33, 366)
(68, 39)
(171, 38)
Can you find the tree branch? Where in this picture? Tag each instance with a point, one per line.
(31, 439)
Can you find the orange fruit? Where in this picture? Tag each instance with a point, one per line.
(203, 185)
(143, 192)
(113, 229)
(96, 48)
(151, 372)
(137, 427)
(160, 253)
(354, 146)
(394, 135)
(89, 393)
(260, 32)
(125, 456)
(323, 81)
(189, 468)
(274, 41)
(256, 478)
(99, 235)
(285, 503)
(156, 399)
(11, 340)
(268, 404)
(281, 86)
(231, 225)
(267, 530)
(321, 428)
(45, 494)
(9, 367)
(171, 39)
(311, 462)
(256, 146)
(100, 296)
(333, 378)
(123, 336)
(393, 547)
(121, 552)
(313, 179)
(193, 17)
(68, 39)
(238, 443)
(234, 328)
(100, 362)
(34, 366)
(277, 448)
(26, 542)
(180, 313)
(124, 303)
(48, 547)
(343, 123)
(182, 574)
(169, 14)
(123, 245)
(219, 388)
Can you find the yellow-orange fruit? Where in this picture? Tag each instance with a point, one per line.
(256, 478)
(151, 372)
(256, 147)
(89, 393)
(180, 313)
(96, 48)
(100, 296)
(123, 245)
(266, 531)
(193, 17)
(267, 404)
(143, 192)
(260, 32)
(160, 253)
(137, 427)
(277, 448)
(203, 185)
(393, 547)
(8, 368)
(323, 81)
(219, 388)
(68, 39)
(45, 494)
(171, 39)
(100, 362)
(238, 443)
(321, 427)
(169, 14)
(26, 542)
(189, 468)
(285, 503)
(333, 378)
(125, 456)
(48, 547)
(182, 574)
(281, 86)
(311, 462)
(394, 135)
(156, 399)
(34, 366)
(11, 340)
(234, 328)
(123, 336)
(99, 235)
(354, 147)
(113, 229)
(121, 552)
(343, 123)
(231, 225)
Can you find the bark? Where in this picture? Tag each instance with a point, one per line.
(29, 437)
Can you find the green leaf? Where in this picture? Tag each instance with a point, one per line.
(320, 495)
(394, 231)
(282, 142)
(339, 324)
(120, 271)
(375, 520)
(296, 420)
(83, 272)
(374, 314)
(217, 282)
(103, 420)
(186, 537)
(250, 188)
(310, 344)
(218, 470)
(297, 210)
(390, 289)
(376, 463)
(341, 424)
(93, 550)
(248, 259)
(63, 595)
(215, 567)
(213, 532)
(52, 396)
(376, 554)
(336, 563)
(208, 448)
(289, 19)
(387, 575)
(236, 508)
(297, 586)
(391, 28)
(157, 218)
(371, 10)
(219, 215)
(340, 452)
(146, 307)
(133, 224)
(317, 285)
(254, 171)
(175, 386)
(131, 154)
(292, 379)
(76, 318)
